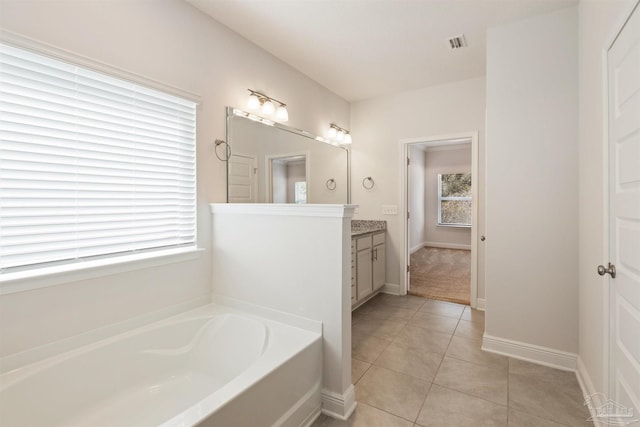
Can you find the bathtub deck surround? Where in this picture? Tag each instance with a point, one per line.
(294, 259)
(180, 367)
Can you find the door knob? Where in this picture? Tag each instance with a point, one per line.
(482, 238)
(611, 269)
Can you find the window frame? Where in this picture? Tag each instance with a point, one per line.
(49, 275)
(451, 198)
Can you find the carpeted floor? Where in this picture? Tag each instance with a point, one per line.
(442, 274)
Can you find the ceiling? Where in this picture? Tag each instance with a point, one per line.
(362, 49)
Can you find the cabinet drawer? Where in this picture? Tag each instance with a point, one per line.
(378, 239)
(363, 243)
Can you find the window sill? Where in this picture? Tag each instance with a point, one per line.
(453, 225)
(35, 279)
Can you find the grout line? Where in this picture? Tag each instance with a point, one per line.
(476, 397)
(474, 363)
(408, 375)
(386, 411)
(364, 373)
(423, 402)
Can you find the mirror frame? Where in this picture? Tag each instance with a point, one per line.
(233, 112)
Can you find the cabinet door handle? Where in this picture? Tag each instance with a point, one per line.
(375, 254)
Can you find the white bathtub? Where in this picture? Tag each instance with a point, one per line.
(213, 366)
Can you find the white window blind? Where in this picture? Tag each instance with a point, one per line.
(90, 165)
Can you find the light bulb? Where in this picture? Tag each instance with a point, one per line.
(268, 107)
(253, 103)
(340, 135)
(282, 114)
(331, 134)
(347, 139)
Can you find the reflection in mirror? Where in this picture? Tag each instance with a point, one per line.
(275, 163)
(288, 179)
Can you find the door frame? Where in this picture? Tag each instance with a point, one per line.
(404, 203)
(268, 160)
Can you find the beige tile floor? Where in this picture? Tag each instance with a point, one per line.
(418, 363)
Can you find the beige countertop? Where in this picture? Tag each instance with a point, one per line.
(361, 227)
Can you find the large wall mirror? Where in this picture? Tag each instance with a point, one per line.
(273, 163)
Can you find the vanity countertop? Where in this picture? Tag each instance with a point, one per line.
(360, 227)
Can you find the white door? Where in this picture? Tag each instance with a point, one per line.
(623, 61)
(242, 179)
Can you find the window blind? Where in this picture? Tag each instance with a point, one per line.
(90, 165)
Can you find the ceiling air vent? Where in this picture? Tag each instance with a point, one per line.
(457, 42)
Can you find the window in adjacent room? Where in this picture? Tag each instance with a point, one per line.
(91, 165)
(300, 188)
(454, 199)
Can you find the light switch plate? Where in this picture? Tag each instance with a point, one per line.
(389, 209)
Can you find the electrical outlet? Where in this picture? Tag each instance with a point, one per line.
(389, 209)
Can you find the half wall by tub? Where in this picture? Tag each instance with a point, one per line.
(214, 366)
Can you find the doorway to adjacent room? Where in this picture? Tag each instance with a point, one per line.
(440, 189)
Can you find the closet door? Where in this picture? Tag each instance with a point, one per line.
(623, 60)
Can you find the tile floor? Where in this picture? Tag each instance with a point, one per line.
(417, 363)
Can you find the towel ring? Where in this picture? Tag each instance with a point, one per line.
(368, 183)
(219, 142)
(331, 184)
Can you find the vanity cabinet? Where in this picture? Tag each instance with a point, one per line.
(367, 266)
(354, 298)
(379, 261)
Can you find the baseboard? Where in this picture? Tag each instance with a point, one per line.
(481, 304)
(391, 288)
(417, 248)
(531, 353)
(339, 406)
(447, 245)
(586, 385)
(364, 300)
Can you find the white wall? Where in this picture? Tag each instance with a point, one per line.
(532, 181)
(379, 124)
(598, 22)
(416, 198)
(173, 43)
(305, 272)
(444, 160)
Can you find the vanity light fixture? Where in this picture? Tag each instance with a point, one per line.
(253, 103)
(282, 114)
(267, 105)
(332, 132)
(339, 134)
